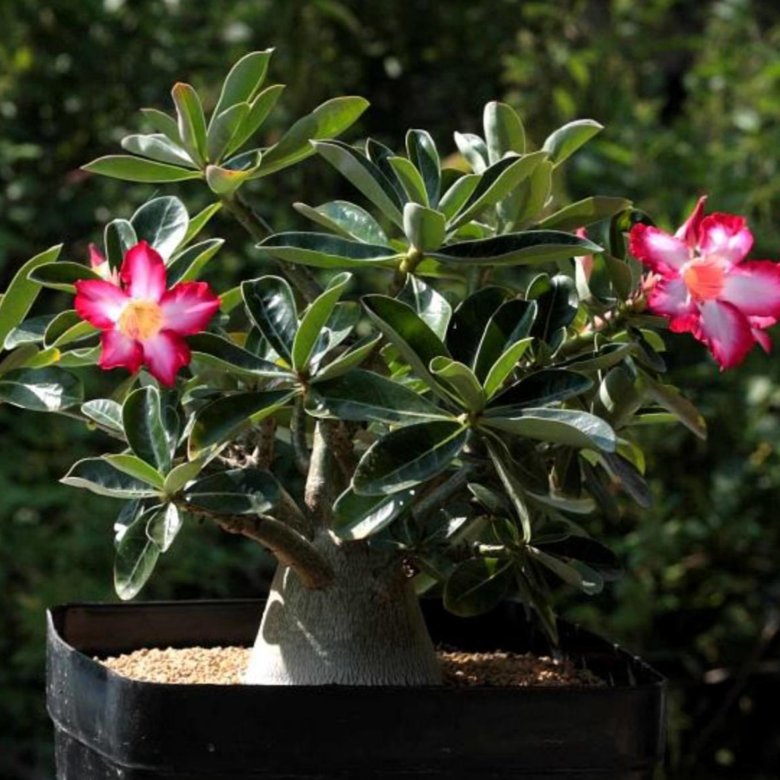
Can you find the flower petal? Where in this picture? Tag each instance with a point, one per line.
(99, 302)
(754, 288)
(143, 273)
(689, 231)
(96, 257)
(670, 298)
(119, 350)
(726, 331)
(762, 339)
(725, 235)
(662, 252)
(187, 307)
(164, 355)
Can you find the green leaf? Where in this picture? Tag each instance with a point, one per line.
(504, 366)
(163, 123)
(424, 227)
(118, 236)
(259, 110)
(104, 412)
(504, 466)
(191, 121)
(157, 147)
(162, 222)
(61, 275)
(221, 353)
(462, 380)
(314, 320)
(30, 331)
(129, 168)
(364, 396)
(271, 305)
(243, 81)
(422, 151)
(496, 183)
(381, 155)
(457, 195)
(235, 492)
(227, 178)
(572, 572)
(528, 248)
(474, 150)
(532, 196)
(142, 419)
(411, 180)
(325, 251)
(504, 131)
(219, 420)
(677, 404)
(584, 212)
(47, 389)
(365, 176)
(550, 385)
(66, 328)
(137, 468)
(358, 517)
(349, 360)
(409, 455)
(432, 307)
(511, 322)
(198, 222)
(558, 426)
(186, 266)
(326, 121)
(408, 332)
(557, 300)
(164, 526)
(180, 475)
(469, 321)
(223, 129)
(99, 476)
(476, 586)
(22, 292)
(136, 556)
(567, 139)
(345, 219)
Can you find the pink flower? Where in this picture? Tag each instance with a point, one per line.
(143, 323)
(100, 265)
(705, 285)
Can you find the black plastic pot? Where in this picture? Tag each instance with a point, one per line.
(107, 726)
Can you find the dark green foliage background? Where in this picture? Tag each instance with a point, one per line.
(690, 95)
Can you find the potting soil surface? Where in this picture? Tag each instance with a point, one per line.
(225, 666)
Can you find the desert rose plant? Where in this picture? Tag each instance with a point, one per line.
(425, 393)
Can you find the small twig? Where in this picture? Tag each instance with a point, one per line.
(258, 228)
(298, 435)
(324, 481)
(339, 442)
(266, 442)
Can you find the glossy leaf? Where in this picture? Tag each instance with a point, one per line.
(411, 180)
(409, 455)
(528, 248)
(47, 389)
(505, 468)
(314, 320)
(462, 380)
(364, 175)
(118, 236)
(243, 81)
(198, 222)
(142, 419)
(364, 396)
(129, 168)
(572, 572)
(322, 250)
(458, 193)
(359, 517)
(567, 139)
(244, 491)
(164, 526)
(431, 306)
(474, 150)
(424, 227)
(104, 412)
(584, 212)
(345, 219)
(99, 476)
(328, 120)
(558, 426)
(135, 467)
(136, 556)
(259, 109)
(271, 305)
(162, 222)
(163, 123)
(187, 265)
(191, 121)
(214, 350)
(223, 128)
(504, 365)
(677, 404)
(348, 360)
(61, 275)
(550, 385)
(557, 301)
(511, 322)
(157, 147)
(422, 152)
(22, 292)
(469, 321)
(182, 474)
(531, 196)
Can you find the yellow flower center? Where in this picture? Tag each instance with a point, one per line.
(140, 320)
(704, 278)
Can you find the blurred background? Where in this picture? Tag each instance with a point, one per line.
(690, 96)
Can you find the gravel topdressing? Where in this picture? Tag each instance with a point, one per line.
(225, 666)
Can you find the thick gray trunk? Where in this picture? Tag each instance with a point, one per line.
(364, 629)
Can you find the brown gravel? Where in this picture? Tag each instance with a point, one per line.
(225, 665)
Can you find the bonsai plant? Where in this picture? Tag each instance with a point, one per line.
(425, 393)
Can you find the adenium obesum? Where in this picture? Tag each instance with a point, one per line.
(143, 322)
(706, 287)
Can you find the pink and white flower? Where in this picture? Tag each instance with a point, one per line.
(143, 322)
(706, 287)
